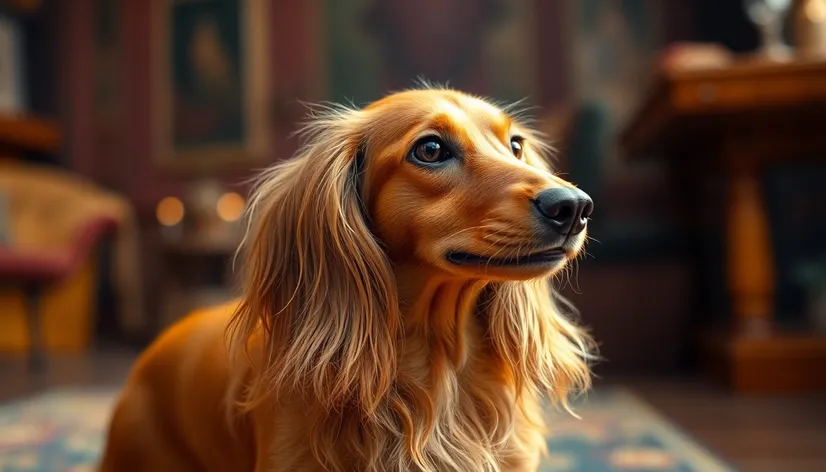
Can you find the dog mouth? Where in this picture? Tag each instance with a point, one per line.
(546, 257)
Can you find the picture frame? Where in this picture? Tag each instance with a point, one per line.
(12, 83)
(371, 47)
(612, 45)
(211, 85)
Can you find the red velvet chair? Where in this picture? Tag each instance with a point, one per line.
(49, 237)
(35, 271)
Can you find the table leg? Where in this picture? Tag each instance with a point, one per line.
(748, 242)
(757, 356)
(750, 271)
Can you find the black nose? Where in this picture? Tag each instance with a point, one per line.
(565, 209)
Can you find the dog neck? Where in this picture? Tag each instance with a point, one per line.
(454, 388)
(440, 314)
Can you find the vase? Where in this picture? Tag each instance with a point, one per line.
(810, 28)
(767, 16)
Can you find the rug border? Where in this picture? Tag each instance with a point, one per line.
(706, 458)
(676, 438)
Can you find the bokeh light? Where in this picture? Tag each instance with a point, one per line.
(170, 211)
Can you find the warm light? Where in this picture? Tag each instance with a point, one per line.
(816, 11)
(170, 211)
(230, 206)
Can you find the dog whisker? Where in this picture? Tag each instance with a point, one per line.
(472, 228)
(507, 239)
(487, 264)
(511, 234)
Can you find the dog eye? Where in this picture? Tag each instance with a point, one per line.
(516, 147)
(431, 150)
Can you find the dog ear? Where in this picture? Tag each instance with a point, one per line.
(318, 286)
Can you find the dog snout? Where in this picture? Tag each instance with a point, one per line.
(564, 209)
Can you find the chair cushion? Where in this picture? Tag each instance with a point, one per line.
(55, 212)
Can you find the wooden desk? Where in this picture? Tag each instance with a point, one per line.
(197, 272)
(731, 122)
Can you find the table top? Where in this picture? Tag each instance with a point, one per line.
(200, 246)
(757, 93)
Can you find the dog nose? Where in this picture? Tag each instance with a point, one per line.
(565, 209)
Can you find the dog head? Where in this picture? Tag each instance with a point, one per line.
(452, 182)
(432, 181)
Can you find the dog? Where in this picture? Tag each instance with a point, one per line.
(396, 311)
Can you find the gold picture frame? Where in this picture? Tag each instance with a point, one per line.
(211, 85)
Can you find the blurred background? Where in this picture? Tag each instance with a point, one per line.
(128, 129)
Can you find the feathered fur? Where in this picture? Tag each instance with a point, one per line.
(351, 347)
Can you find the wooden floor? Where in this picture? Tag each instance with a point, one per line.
(753, 433)
(761, 434)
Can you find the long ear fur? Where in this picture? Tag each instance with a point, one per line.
(544, 349)
(318, 287)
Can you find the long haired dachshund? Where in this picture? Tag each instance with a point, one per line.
(396, 312)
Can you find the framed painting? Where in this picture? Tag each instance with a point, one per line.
(611, 46)
(211, 85)
(479, 46)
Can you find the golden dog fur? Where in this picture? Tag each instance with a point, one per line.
(356, 344)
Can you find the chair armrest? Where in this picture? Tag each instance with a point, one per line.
(45, 266)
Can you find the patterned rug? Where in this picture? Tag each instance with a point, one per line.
(617, 431)
(62, 431)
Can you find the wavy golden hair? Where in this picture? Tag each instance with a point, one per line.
(321, 303)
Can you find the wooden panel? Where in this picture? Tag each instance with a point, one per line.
(777, 363)
(638, 312)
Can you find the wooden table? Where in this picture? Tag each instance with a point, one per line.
(732, 122)
(197, 272)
